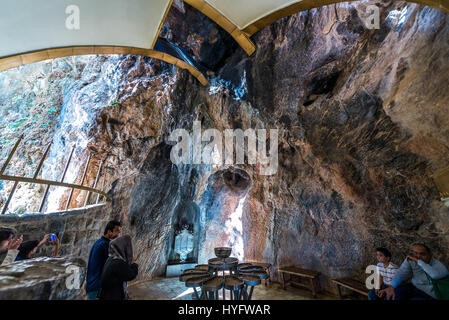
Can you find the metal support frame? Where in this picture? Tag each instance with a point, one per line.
(95, 183)
(48, 183)
(82, 181)
(16, 183)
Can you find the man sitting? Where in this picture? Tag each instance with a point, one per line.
(420, 266)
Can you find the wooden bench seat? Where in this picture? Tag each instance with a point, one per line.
(350, 284)
(311, 275)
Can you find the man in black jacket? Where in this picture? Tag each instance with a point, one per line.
(97, 258)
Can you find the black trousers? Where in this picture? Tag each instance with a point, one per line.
(408, 291)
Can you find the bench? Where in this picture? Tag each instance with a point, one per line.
(265, 266)
(350, 284)
(310, 275)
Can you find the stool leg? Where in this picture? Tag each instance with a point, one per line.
(251, 292)
(245, 292)
(196, 294)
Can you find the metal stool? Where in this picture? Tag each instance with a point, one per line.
(211, 287)
(197, 281)
(234, 285)
(249, 281)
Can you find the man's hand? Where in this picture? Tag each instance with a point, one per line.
(14, 244)
(381, 293)
(56, 242)
(44, 240)
(412, 258)
(389, 292)
(133, 260)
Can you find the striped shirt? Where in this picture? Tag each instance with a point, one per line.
(387, 273)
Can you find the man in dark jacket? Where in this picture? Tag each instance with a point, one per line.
(97, 258)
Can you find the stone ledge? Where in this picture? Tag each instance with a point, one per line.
(40, 279)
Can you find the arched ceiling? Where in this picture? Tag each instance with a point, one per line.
(244, 18)
(36, 30)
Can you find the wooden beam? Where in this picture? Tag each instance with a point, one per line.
(310, 4)
(95, 182)
(241, 37)
(11, 154)
(52, 183)
(53, 53)
(82, 182)
(41, 206)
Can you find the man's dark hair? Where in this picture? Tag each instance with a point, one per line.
(385, 252)
(111, 225)
(6, 232)
(26, 247)
(424, 246)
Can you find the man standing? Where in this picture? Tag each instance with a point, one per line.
(420, 266)
(97, 258)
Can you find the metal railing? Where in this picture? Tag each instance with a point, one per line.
(49, 183)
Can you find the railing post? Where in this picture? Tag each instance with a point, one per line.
(11, 194)
(5, 206)
(39, 167)
(11, 154)
(95, 183)
(36, 173)
(82, 181)
(98, 195)
(44, 198)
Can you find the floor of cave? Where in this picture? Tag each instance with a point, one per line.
(173, 289)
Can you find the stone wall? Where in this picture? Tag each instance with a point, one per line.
(77, 229)
(43, 279)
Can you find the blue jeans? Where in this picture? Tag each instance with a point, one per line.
(408, 291)
(373, 296)
(92, 295)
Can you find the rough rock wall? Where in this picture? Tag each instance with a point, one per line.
(76, 229)
(43, 279)
(358, 106)
(359, 140)
(362, 117)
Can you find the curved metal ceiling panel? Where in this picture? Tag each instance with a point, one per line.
(244, 13)
(32, 25)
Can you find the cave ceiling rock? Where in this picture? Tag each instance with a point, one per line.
(242, 19)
